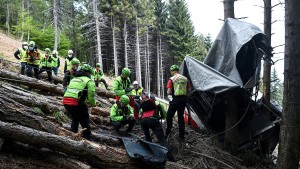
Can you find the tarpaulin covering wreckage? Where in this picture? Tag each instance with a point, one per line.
(232, 69)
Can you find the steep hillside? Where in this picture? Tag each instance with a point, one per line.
(35, 125)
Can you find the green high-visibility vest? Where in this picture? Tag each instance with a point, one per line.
(54, 61)
(179, 85)
(46, 62)
(23, 56)
(98, 74)
(76, 87)
(69, 64)
(137, 92)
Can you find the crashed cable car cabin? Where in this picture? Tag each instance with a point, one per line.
(228, 80)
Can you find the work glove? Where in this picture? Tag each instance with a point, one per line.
(170, 97)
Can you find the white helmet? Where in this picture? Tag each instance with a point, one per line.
(70, 52)
(25, 43)
(135, 83)
(54, 52)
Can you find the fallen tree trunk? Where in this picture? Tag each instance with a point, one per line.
(100, 112)
(30, 82)
(47, 105)
(97, 155)
(100, 120)
(12, 111)
(59, 160)
(56, 79)
(41, 85)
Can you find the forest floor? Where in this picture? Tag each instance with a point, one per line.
(200, 150)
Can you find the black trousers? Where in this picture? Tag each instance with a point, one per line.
(80, 115)
(49, 72)
(178, 106)
(155, 126)
(101, 80)
(118, 124)
(35, 69)
(23, 67)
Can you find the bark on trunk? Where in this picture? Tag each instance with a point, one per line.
(43, 86)
(100, 112)
(267, 64)
(138, 56)
(289, 146)
(114, 47)
(125, 42)
(228, 8)
(47, 106)
(7, 17)
(97, 24)
(22, 29)
(97, 155)
(55, 23)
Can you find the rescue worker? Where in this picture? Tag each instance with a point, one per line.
(121, 114)
(80, 92)
(152, 113)
(46, 63)
(98, 76)
(33, 60)
(178, 90)
(68, 60)
(20, 54)
(136, 93)
(122, 84)
(55, 62)
(71, 73)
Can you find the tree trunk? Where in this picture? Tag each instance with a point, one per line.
(100, 112)
(53, 158)
(47, 106)
(267, 64)
(7, 17)
(228, 9)
(231, 107)
(73, 15)
(55, 23)
(28, 25)
(162, 69)
(148, 75)
(96, 18)
(22, 29)
(289, 146)
(114, 47)
(95, 154)
(43, 86)
(125, 42)
(138, 56)
(158, 68)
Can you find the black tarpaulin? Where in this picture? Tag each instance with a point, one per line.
(234, 54)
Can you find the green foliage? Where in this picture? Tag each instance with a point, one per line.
(180, 29)
(38, 110)
(276, 87)
(60, 116)
(199, 48)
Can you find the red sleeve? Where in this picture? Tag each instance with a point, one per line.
(170, 84)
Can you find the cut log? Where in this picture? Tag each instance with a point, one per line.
(100, 120)
(30, 82)
(56, 79)
(47, 106)
(97, 155)
(100, 112)
(54, 158)
(41, 85)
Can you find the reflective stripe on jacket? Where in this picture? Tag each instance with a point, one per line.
(76, 89)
